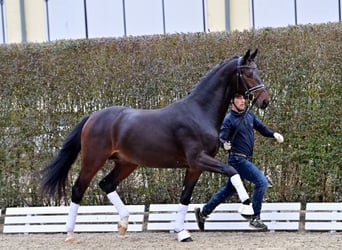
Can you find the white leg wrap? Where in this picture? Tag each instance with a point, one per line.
(118, 204)
(180, 217)
(240, 188)
(70, 225)
(182, 235)
(246, 210)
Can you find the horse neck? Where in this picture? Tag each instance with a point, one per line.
(214, 92)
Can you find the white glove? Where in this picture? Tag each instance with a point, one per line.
(278, 137)
(227, 146)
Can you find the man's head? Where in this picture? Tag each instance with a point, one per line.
(239, 103)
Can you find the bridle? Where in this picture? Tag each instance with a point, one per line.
(251, 90)
(248, 92)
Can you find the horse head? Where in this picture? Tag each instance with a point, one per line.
(249, 80)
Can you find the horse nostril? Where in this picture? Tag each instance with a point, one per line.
(264, 104)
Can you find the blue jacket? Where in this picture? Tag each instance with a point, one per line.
(244, 140)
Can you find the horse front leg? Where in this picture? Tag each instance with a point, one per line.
(108, 184)
(208, 163)
(190, 180)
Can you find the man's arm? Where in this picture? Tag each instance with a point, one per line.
(266, 131)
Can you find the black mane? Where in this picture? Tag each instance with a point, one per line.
(211, 72)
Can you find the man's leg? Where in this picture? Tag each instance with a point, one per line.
(219, 197)
(250, 172)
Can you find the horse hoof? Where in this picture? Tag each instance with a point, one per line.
(122, 229)
(187, 240)
(70, 238)
(184, 236)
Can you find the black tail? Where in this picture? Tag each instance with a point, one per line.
(56, 173)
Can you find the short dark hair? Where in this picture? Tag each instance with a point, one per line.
(238, 95)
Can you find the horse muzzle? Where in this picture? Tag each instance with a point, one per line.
(264, 104)
(261, 100)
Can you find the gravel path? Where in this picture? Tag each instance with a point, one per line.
(164, 240)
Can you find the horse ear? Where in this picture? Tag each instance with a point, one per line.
(253, 55)
(246, 57)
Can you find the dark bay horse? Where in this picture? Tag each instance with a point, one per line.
(183, 134)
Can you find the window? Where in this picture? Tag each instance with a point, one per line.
(273, 13)
(317, 11)
(105, 18)
(144, 17)
(66, 19)
(278, 13)
(184, 16)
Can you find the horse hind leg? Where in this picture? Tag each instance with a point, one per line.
(109, 184)
(88, 171)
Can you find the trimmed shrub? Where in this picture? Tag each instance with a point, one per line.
(46, 89)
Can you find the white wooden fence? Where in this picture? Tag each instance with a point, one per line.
(53, 219)
(284, 216)
(277, 216)
(323, 216)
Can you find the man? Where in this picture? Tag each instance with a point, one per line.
(237, 137)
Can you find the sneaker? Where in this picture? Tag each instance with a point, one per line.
(200, 218)
(257, 224)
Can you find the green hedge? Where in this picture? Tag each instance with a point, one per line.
(46, 88)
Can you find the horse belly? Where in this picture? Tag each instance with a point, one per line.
(149, 156)
(152, 153)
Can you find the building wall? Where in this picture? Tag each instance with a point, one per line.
(216, 15)
(26, 20)
(13, 21)
(239, 12)
(222, 15)
(35, 20)
(228, 15)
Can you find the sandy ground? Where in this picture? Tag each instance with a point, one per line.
(164, 240)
